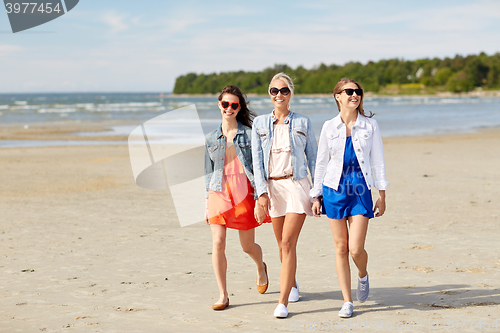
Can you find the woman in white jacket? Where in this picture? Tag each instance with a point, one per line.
(350, 162)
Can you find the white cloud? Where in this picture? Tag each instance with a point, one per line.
(467, 18)
(6, 49)
(115, 21)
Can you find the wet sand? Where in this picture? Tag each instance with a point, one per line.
(86, 250)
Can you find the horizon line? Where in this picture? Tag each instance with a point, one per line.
(88, 92)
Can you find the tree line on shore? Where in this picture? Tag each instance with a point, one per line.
(393, 76)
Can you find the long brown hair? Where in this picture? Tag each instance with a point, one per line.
(245, 115)
(338, 89)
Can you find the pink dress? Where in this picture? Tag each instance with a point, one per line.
(286, 195)
(234, 206)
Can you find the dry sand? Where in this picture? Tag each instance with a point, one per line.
(83, 249)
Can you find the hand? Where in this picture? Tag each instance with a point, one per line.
(316, 208)
(380, 205)
(263, 202)
(259, 213)
(206, 213)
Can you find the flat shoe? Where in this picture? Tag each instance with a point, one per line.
(281, 311)
(262, 289)
(363, 289)
(346, 311)
(220, 306)
(294, 294)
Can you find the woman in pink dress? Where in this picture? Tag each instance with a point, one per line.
(284, 154)
(230, 188)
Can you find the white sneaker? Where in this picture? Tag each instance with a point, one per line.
(346, 310)
(294, 294)
(281, 311)
(363, 289)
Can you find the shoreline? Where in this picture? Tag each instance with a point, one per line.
(45, 135)
(57, 137)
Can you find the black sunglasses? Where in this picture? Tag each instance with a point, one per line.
(284, 91)
(226, 104)
(350, 91)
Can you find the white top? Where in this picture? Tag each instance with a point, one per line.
(280, 158)
(368, 147)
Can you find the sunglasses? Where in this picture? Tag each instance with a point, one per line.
(225, 105)
(284, 91)
(350, 91)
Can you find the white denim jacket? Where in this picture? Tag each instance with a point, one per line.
(367, 144)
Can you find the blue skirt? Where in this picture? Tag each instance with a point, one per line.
(352, 196)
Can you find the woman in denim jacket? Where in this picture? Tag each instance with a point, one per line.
(350, 163)
(229, 188)
(284, 148)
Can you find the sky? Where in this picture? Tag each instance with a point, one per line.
(143, 46)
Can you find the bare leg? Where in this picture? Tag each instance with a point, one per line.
(278, 231)
(358, 226)
(341, 241)
(288, 249)
(219, 261)
(247, 241)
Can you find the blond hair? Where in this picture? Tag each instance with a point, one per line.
(288, 81)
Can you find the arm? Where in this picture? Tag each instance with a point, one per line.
(322, 159)
(378, 168)
(321, 162)
(209, 169)
(311, 149)
(258, 169)
(258, 165)
(377, 158)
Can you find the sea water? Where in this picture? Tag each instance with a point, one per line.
(397, 116)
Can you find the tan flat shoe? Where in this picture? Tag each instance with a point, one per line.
(262, 289)
(220, 306)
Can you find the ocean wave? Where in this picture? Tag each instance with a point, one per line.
(88, 106)
(458, 100)
(314, 100)
(128, 107)
(15, 108)
(261, 102)
(57, 110)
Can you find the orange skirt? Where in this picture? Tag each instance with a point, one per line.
(239, 215)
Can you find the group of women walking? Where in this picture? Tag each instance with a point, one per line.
(257, 171)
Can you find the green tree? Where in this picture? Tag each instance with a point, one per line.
(442, 75)
(455, 74)
(458, 82)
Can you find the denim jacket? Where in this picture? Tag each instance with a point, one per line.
(215, 149)
(303, 147)
(368, 147)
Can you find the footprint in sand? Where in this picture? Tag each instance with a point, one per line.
(419, 269)
(421, 247)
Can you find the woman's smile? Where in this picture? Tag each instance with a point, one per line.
(354, 100)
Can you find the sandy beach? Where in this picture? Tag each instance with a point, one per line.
(83, 249)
